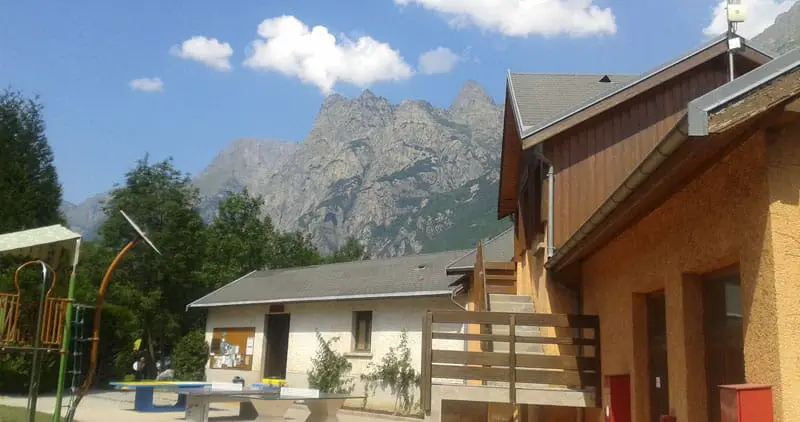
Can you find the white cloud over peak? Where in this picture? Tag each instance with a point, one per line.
(147, 85)
(760, 15)
(208, 51)
(438, 60)
(522, 18)
(316, 57)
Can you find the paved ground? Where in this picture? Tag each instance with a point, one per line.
(117, 406)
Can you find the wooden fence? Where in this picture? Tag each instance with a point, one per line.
(574, 367)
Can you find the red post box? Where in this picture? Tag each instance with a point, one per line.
(618, 398)
(746, 403)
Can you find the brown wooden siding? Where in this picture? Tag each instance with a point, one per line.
(593, 158)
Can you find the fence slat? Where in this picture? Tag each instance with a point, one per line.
(470, 358)
(469, 373)
(501, 318)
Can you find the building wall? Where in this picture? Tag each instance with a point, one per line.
(332, 319)
(744, 210)
(594, 157)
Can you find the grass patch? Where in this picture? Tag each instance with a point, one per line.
(18, 414)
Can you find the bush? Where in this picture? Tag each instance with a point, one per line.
(190, 356)
(16, 371)
(397, 373)
(329, 369)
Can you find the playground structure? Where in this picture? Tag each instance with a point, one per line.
(54, 315)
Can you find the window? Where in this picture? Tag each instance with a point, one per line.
(232, 348)
(362, 331)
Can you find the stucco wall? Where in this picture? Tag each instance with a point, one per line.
(332, 319)
(743, 210)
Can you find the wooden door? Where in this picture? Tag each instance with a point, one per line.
(277, 345)
(657, 355)
(722, 311)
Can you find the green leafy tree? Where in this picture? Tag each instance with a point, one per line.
(240, 239)
(352, 250)
(29, 189)
(190, 357)
(161, 200)
(329, 369)
(293, 249)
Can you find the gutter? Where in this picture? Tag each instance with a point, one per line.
(674, 139)
(401, 295)
(700, 108)
(551, 184)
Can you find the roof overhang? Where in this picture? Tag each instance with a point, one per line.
(531, 136)
(722, 119)
(49, 244)
(400, 295)
(701, 108)
(510, 155)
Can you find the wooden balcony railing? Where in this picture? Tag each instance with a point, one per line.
(576, 367)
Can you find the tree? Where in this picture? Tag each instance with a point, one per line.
(241, 240)
(329, 369)
(29, 187)
(293, 249)
(352, 250)
(157, 288)
(190, 357)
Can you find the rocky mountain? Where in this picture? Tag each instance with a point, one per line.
(403, 178)
(784, 34)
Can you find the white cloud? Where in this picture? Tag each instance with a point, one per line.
(760, 15)
(209, 51)
(147, 85)
(317, 57)
(521, 18)
(438, 60)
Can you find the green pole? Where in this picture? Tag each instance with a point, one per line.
(65, 340)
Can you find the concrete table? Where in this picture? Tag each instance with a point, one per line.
(323, 408)
(198, 403)
(144, 390)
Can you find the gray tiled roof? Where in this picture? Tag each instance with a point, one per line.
(541, 98)
(497, 249)
(415, 275)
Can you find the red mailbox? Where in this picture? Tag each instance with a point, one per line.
(618, 398)
(746, 403)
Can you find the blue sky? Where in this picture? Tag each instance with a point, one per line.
(195, 97)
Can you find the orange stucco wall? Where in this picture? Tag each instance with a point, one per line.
(744, 210)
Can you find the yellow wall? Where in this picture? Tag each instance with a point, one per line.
(743, 210)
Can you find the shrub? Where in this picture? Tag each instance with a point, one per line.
(16, 371)
(397, 373)
(189, 357)
(329, 369)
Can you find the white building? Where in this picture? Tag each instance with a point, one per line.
(269, 319)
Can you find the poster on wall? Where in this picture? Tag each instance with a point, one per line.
(249, 348)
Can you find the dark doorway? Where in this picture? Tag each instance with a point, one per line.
(723, 336)
(657, 355)
(277, 326)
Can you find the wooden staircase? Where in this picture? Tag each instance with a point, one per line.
(501, 278)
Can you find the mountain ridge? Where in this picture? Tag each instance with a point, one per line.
(367, 168)
(403, 178)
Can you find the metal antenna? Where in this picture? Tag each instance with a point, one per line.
(735, 13)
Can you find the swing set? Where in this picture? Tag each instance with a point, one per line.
(55, 323)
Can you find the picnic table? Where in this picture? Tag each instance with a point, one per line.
(143, 396)
(265, 405)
